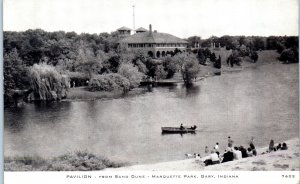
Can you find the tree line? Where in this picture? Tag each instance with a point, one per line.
(46, 64)
(286, 46)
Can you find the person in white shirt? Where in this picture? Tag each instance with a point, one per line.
(212, 159)
(197, 158)
(237, 154)
(216, 148)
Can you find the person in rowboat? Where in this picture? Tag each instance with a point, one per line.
(181, 127)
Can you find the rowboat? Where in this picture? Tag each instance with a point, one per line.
(191, 129)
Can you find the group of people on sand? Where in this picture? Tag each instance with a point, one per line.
(272, 146)
(234, 152)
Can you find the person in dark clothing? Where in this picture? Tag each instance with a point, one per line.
(244, 152)
(181, 127)
(227, 156)
(271, 146)
(284, 146)
(278, 146)
(253, 149)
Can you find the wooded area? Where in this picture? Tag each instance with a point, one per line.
(48, 63)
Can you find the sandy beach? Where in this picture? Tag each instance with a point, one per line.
(283, 160)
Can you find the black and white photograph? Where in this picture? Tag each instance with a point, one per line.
(151, 85)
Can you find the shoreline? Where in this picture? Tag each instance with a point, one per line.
(82, 94)
(282, 160)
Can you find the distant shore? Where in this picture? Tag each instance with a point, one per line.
(283, 160)
(82, 93)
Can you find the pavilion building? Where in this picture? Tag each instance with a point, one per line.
(155, 44)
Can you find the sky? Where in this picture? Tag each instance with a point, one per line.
(182, 18)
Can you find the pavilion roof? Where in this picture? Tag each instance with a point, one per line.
(152, 37)
(141, 29)
(124, 29)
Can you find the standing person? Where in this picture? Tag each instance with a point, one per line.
(251, 140)
(206, 150)
(251, 144)
(230, 142)
(271, 145)
(217, 148)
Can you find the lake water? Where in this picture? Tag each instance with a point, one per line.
(260, 102)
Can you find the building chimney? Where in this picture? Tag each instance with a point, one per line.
(150, 28)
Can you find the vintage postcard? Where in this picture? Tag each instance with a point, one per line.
(151, 91)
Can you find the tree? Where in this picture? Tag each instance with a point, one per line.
(160, 73)
(131, 72)
(234, 59)
(87, 62)
(217, 63)
(244, 51)
(254, 56)
(201, 57)
(213, 57)
(193, 41)
(47, 83)
(170, 66)
(190, 68)
(15, 73)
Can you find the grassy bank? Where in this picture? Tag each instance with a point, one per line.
(81, 93)
(78, 161)
(265, 57)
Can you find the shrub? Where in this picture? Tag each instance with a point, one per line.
(201, 57)
(289, 56)
(234, 59)
(108, 82)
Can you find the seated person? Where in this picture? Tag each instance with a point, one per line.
(284, 146)
(213, 159)
(197, 158)
(244, 152)
(237, 154)
(249, 152)
(278, 147)
(227, 156)
(181, 127)
(193, 127)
